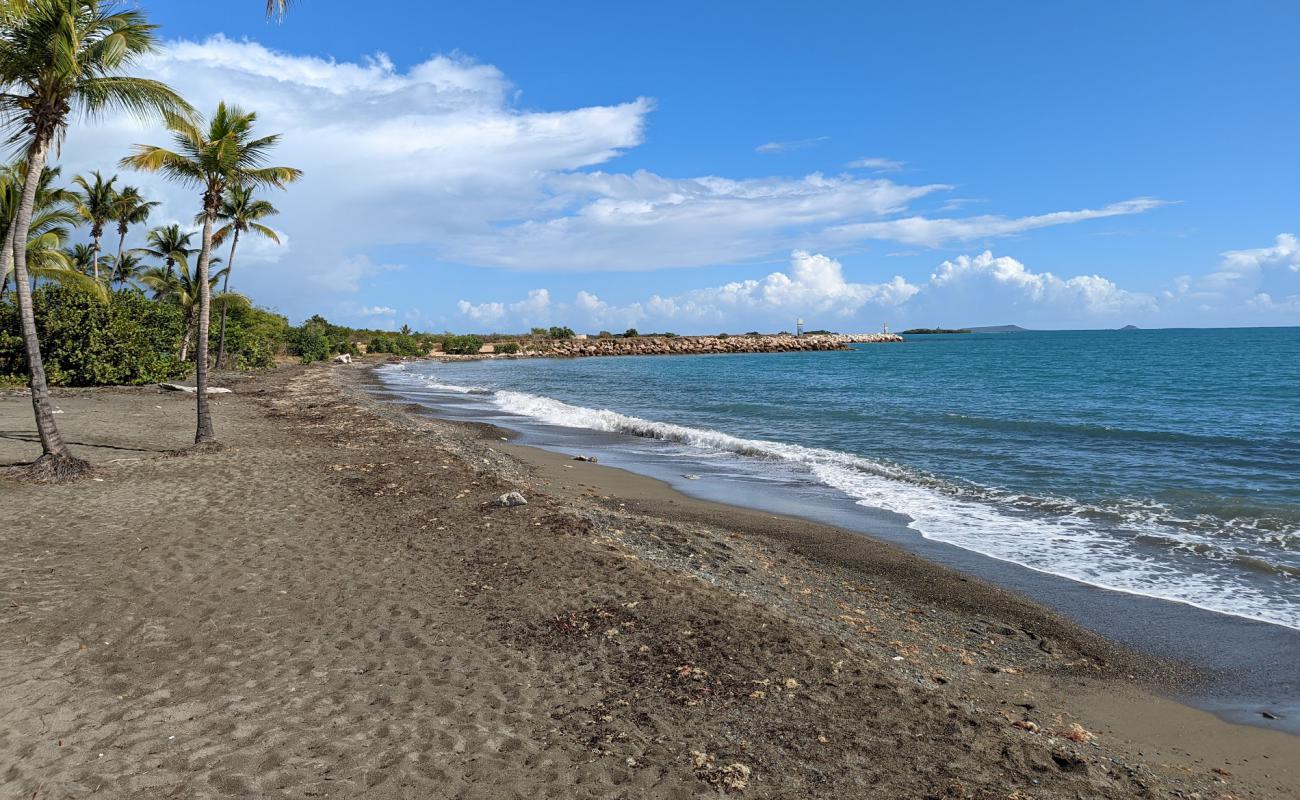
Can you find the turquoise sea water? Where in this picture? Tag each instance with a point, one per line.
(1164, 463)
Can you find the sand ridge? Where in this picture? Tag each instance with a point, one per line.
(333, 606)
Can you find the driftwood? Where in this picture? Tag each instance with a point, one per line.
(176, 387)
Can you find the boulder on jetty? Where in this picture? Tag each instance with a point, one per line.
(694, 345)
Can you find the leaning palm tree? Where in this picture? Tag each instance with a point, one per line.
(169, 245)
(96, 203)
(212, 159)
(130, 209)
(56, 57)
(240, 212)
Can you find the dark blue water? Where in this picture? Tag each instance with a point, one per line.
(1163, 463)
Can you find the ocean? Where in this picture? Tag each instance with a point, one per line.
(1163, 463)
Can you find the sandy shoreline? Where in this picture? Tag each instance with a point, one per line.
(333, 606)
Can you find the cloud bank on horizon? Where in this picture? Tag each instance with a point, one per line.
(966, 290)
(440, 164)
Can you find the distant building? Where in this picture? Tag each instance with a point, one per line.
(580, 336)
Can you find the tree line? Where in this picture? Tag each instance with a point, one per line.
(62, 60)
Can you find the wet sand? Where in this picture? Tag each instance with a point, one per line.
(333, 606)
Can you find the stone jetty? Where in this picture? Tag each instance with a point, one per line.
(682, 345)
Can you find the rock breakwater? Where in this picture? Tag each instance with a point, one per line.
(686, 345)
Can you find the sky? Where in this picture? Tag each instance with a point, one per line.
(734, 166)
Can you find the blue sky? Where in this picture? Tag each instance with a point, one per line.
(710, 166)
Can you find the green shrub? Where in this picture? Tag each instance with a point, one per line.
(630, 333)
(309, 343)
(509, 348)
(400, 344)
(462, 345)
(557, 332)
(130, 340)
(253, 337)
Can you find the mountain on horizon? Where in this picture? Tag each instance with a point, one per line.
(997, 329)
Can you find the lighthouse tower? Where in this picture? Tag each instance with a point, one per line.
(798, 327)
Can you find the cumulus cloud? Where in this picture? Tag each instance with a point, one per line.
(814, 285)
(972, 286)
(530, 310)
(965, 290)
(1264, 280)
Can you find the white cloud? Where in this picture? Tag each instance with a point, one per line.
(877, 164)
(973, 286)
(772, 148)
(928, 232)
(814, 286)
(645, 221)
(965, 290)
(377, 311)
(438, 160)
(532, 309)
(1264, 281)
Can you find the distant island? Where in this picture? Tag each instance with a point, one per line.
(998, 329)
(1130, 328)
(936, 330)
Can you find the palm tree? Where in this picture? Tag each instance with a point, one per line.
(96, 203)
(130, 209)
(80, 257)
(52, 212)
(181, 288)
(277, 8)
(52, 221)
(169, 244)
(125, 269)
(212, 159)
(241, 212)
(56, 57)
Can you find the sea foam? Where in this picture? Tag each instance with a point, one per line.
(1058, 536)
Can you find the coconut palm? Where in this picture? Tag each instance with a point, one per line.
(96, 203)
(52, 221)
(277, 8)
(212, 159)
(125, 269)
(169, 244)
(80, 257)
(182, 288)
(51, 213)
(57, 57)
(130, 209)
(241, 212)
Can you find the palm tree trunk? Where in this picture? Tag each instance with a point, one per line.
(204, 432)
(95, 250)
(56, 462)
(225, 287)
(121, 242)
(185, 337)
